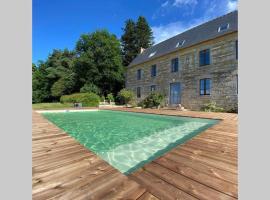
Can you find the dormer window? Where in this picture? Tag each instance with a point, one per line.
(180, 44)
(223, 27)
(152, 54)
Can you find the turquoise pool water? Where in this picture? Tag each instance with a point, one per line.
(128, 140)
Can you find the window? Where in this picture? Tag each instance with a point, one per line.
(180, 44)
(223, 27)
(139, 74)
(205, 57)
(174, 65)
(205, 86)
(152, 54)
(153, 70)
(152, 88)
(138, 92)
(236, 49)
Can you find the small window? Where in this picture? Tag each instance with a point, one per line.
(223, 27)
(152, 88)
(205, 86)
(152, 54)
(138, 92)
(153, 70)
(139, 74)
(174, 65)
(205, 57)
(180, 44)
(236, 49)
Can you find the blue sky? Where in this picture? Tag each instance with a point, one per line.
(57, 24)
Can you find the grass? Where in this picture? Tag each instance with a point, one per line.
(48, 106)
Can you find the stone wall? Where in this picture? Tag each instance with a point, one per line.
(223, 72)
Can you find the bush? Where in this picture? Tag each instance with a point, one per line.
(154, 99)
(110, 97)
(87, 99)
(211, 107)
(126, 96)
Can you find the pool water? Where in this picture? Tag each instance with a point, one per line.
(128, 140)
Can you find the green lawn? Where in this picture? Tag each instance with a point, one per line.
(48, 106)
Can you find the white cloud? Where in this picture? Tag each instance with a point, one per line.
(231, 5)
(167, 31)
(212, 10)
(166, 3)
(179, 3)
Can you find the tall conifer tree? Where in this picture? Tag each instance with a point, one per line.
(136, 36)
(128, 42)
(144, 33)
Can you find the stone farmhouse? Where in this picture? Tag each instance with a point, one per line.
(193, 68)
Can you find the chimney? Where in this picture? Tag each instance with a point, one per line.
(142, 49)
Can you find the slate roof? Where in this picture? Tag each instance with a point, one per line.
(203, 32)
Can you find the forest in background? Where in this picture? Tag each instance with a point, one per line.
(96, 64)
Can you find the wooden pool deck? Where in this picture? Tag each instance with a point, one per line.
(205, 167)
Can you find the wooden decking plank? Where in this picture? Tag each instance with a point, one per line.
(161, 189)
(211, 162)
(214, 155)
(204, 168)
(71, 187)
(199, 176)
(188, 185)
(221, 152)
(127, 190)
(148, 196)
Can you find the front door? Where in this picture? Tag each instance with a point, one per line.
(175, 93)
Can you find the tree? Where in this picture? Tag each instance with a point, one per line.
(136, 36)
(34, 68)
(40, 85)
(99, 62)
(128, 42)
(54, 77)
(144, 34)
(90, 87)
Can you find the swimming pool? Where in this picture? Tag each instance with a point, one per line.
(128, 140)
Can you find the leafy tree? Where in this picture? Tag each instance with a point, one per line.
(40, 85)
(128, 42)
(99, 62)
(90, 87)
(54, 77)
(34, 68)
(144, 33)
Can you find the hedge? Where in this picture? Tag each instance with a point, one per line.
(87, 99)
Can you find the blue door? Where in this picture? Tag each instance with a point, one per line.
(175, 93)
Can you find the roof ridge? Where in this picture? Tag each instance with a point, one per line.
(166, 45)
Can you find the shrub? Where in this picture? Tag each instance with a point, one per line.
(87, 99)
(110, 97)
(211, 107)
(154, 99)
(126, 96)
